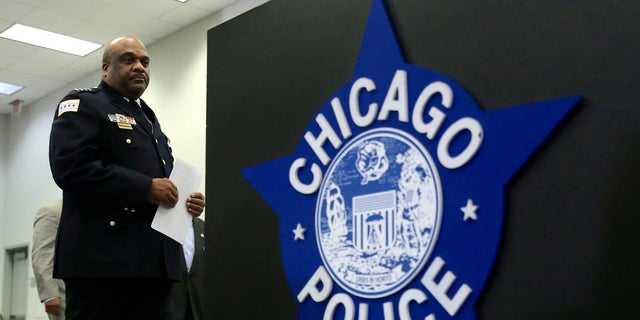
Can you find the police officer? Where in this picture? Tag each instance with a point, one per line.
(110, 157)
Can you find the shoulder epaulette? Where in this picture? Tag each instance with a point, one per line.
(79, 90)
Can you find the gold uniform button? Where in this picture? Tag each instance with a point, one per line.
(112, 223)
(128, 141)
(164, 163)
(156, 141)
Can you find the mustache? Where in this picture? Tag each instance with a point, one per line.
(139, 75)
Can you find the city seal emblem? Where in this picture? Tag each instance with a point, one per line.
(391, 205)
(392, 188)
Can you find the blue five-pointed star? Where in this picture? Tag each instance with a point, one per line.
(509, 136)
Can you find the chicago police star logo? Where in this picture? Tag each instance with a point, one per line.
(391, 206)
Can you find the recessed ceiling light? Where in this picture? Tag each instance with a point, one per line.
(183, 1)
(50, 40)
(8, 88)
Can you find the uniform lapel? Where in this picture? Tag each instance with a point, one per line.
(119, 102)
(139, 115)
(150, 117)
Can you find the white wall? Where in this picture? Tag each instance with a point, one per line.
(4, 133)
(4, 138)
(177, 93)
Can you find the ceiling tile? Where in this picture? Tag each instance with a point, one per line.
(48, 56)
(33, 67)
(32, 3)
(210, 5)
(7, 60)
(184, 15)
(42, 70)
(13, 10)
(155, 8)
(18, 78)
(15, 49)
(73, 8)
(42, 19)
(157, 29)
(45, 84)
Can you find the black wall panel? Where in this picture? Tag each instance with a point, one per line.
(570, 241)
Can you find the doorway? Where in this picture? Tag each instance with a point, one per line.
(16, 277)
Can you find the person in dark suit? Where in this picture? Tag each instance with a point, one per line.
(188, 294)
(111, 159)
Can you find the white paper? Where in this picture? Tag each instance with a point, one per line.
(175, 222)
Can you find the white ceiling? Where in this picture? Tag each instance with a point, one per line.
(42, 71)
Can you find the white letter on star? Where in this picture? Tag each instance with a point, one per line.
(470, 211)
(298, 232)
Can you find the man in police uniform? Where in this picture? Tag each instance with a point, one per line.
(110, 157)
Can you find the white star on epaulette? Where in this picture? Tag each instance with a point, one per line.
(94, 89)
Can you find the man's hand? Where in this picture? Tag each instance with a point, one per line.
(163, 192)
(195, 204)
(52, 306)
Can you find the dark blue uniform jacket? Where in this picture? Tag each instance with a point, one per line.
(104, 163)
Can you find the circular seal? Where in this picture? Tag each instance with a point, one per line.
(378, 212)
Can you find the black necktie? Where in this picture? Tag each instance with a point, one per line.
(139, 109)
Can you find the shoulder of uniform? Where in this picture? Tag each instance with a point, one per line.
(84, 90)
(71, 102)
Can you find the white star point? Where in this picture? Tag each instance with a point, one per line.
(469, 211)
(298, 232)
